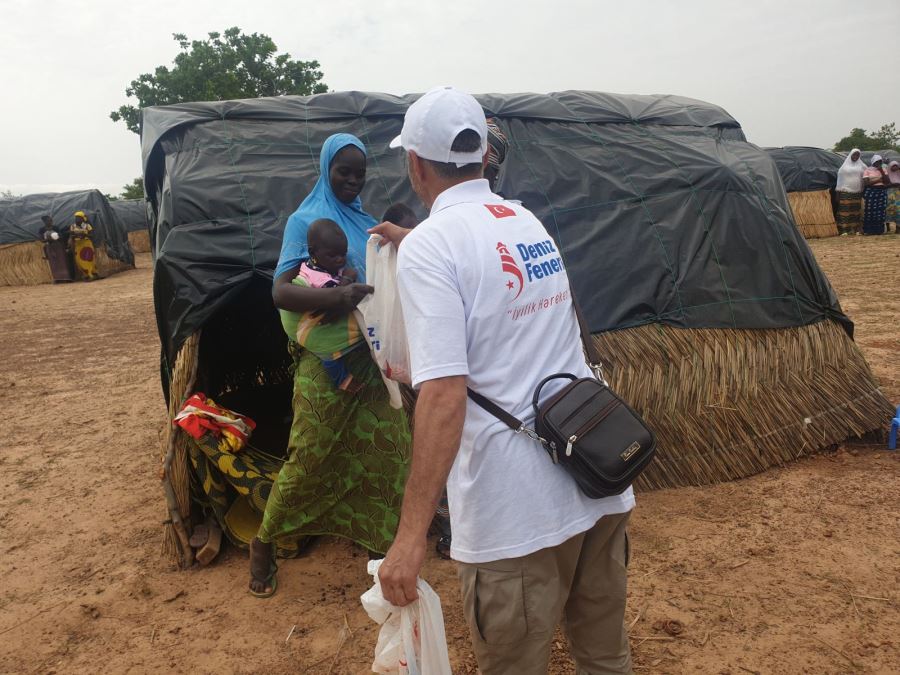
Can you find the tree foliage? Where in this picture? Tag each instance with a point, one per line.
(886, 137)
(9, 194)
(134, 190)
(225, 66)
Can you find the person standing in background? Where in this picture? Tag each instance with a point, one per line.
(893, 195)
(876, 182)
(82, 246)
(55, 251)
(849, 191)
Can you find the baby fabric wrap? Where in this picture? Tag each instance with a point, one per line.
(328, 341)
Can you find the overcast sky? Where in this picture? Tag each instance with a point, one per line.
(793, 72)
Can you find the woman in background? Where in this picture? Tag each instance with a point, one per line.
(849, 191)
(893, 195)
(55, 251)
(83, 247)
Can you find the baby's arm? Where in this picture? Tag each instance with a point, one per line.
(348, 276)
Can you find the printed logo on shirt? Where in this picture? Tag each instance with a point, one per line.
(541, 260)
(508, 265)
(499, 210)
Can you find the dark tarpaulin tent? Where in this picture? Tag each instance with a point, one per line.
(809, 176)
(803, 169)
(610, 176)
(889, 155)
(132, 213)
(135, 218)
(20, 223)
(708, 305)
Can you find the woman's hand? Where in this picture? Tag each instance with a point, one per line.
(391, 232)
(346, 299)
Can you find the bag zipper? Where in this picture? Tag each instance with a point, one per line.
(590, 424)
(579, 409)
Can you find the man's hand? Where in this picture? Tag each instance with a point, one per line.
(391, 232)
(399, 571)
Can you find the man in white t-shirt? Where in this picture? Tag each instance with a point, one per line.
(487, 305)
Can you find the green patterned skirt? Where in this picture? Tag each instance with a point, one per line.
(347, 459)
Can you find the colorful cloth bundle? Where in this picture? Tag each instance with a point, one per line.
(200, 416)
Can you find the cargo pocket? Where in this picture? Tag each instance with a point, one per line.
(499, 607)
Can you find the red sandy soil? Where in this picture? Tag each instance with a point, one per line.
(792, 571)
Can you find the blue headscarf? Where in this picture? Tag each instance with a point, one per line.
(321, 202)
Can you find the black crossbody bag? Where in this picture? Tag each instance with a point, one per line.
(586, 428)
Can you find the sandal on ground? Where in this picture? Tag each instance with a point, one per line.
(443, 546)
(270, 580)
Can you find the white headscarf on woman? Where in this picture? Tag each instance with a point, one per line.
(850, 175)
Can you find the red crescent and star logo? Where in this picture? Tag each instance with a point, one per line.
(508, 265)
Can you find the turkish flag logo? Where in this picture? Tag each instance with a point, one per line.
(500, 211)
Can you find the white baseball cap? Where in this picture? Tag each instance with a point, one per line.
(432, 123)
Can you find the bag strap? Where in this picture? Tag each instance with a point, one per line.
(590, 348)
(509, 420)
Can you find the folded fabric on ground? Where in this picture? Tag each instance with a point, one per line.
(233, 477)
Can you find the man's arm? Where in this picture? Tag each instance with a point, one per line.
(440, 413)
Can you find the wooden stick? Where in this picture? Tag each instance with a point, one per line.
(36, 614)
(869, 597)
(740, 564)
(638, 617)
(837, 651)
(293, 628)
(345, 633)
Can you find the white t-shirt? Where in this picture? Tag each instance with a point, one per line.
(485, 294)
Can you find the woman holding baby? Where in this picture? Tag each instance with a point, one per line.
(348, 448)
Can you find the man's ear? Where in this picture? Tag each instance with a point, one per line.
(484, 160)
(416, 166)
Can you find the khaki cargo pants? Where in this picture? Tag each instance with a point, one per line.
(513, 606)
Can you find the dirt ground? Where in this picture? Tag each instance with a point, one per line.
(792, 571)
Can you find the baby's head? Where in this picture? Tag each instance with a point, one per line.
(327, 245)
(400, 214)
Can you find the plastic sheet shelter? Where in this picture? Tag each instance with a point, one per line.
(20, 219)
(664, 213)
(889, 155)
(804, 169)
(132, 213)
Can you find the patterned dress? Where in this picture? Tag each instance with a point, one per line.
(347, 462)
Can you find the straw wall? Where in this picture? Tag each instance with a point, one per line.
(174, 460)
(813, 213)
(139, 240)
(24, 265)
(730, 403)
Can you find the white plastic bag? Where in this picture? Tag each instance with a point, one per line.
(382, 315)
(412, 639)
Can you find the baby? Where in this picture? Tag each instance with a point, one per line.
(400, 214)
(327, 268)
(327, 245)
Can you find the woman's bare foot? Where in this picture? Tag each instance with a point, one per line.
(262, 569)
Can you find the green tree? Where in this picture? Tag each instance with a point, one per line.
(8, 194)
(225, 66)
(886, 137)
(134, 190)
